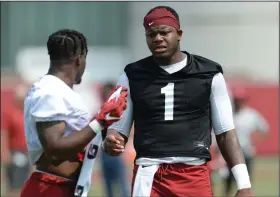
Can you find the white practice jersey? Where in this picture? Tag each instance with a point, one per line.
(50, 99)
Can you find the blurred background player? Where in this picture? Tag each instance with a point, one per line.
(113, 168)
(13, 146)
(250, 127)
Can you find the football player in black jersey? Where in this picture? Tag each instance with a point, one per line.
(175, 99)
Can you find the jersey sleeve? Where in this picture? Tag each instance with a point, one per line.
(124, 125)
(221, 109)
(48, 107)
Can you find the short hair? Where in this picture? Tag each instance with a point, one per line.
(171, 10)
(66, 43)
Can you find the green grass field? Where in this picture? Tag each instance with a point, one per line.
(265, 181)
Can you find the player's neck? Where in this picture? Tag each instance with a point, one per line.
(63, 76)
(177, 57)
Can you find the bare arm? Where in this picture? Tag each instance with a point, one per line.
(230, 148)
(56, 145)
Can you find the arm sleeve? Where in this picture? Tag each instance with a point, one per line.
(49, 107)
(123, 126)
(221, 109)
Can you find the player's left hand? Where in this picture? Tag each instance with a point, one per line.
(248, 192)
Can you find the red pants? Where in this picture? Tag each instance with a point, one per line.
(45, 185)
(167, 180)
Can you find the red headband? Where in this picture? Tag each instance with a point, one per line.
(160, 16)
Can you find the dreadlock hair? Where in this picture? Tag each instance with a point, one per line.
(171, 10)
(66, 43)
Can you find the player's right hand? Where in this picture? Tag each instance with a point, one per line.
(112, 110)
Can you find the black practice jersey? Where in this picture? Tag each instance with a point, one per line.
(172, 111)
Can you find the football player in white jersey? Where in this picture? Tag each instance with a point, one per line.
(57, 124)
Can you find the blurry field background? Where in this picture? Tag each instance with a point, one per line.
(242, 36)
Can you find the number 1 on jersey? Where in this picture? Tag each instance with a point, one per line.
(168, 91)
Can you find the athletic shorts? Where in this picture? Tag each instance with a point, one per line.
(47, 185)
(18, 171)
(167, 180)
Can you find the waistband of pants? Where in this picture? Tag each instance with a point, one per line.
(50, 178)
(179, 167)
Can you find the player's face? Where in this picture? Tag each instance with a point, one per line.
(163, 40)
(81, 65)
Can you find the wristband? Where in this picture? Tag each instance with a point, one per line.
(241, 176)
(95, 126)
